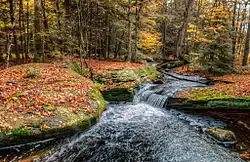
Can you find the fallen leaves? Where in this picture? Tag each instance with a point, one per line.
(238, 88)
(43, 127)
(101, 66)
(245, 156)
(38, 88)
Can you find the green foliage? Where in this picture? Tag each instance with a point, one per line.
(216, 48)
(37, 59)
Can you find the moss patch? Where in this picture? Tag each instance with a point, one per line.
(228, 103)
(118, 85)
(119, 94)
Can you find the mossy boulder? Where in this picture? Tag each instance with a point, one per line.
(56, 103)
(222, 135)
(227, 103)
(129, 75)
(119, 94)
(120, 84)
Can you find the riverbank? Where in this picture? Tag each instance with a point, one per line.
(238, 122)
(226, 99)
(231, 91)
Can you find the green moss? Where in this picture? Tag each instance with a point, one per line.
(76, 67)
(97, 97)
(48, 107)
(200, 95)
(228, 103)
(128, 75)
(21, 132)
(119, 94)
(149, 71)
(32, 73)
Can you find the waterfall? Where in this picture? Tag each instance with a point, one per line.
(157, 95)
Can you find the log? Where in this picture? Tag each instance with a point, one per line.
(201, 80)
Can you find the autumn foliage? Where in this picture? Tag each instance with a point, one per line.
(36, 89)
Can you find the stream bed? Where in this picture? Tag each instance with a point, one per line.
(146, 131)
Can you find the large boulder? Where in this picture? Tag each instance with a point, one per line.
(222, 135)
(43, 101)
(119, 84)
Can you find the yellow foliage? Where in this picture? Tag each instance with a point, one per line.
(191, 26)
(150, 41)
(202, 16)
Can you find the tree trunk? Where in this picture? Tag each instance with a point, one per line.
(67, 6)
(182, 32)
(137, 25)
(246, 51)
(12, 17)
(21, 47)
(107, 35)
(37, 28)
(27, 34)
(129, 58)
(8, 50)
(59, 23)
(234, 30)
(81, 41)
(46, 27)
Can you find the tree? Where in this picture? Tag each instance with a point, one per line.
(217, 47)
(182, 32)
(37, 29)
(246, 51)
(130, 31)
(12, 17)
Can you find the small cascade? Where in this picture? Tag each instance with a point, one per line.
(150, 96)
(157, 94)
(143, 131)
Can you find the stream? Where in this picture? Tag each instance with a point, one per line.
(146, 130)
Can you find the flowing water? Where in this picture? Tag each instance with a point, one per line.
(145, 131)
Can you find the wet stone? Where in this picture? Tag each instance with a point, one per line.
(222, 134)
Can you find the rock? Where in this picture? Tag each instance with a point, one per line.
(241, 123)
(118, 94)
(158, 81)
(222, 134)
(51, 117)
(126, 75)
